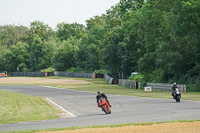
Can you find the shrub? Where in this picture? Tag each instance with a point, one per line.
(50, 69)
(75, 70)
(101, 71)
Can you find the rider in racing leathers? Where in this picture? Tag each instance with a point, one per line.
(174, 88)
(99, 95)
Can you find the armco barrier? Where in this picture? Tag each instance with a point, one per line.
(165, 86)
(129, 83)
(29, 74)
(108, 79)
(77, 75)
(111, 80)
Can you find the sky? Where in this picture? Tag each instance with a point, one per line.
(51, 12)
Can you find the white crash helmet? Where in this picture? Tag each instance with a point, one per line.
(99, 92)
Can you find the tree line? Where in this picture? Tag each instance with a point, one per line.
(159, 39)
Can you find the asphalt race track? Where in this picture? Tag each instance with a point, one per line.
(125, 109)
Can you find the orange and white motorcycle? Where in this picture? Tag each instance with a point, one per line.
(104, 106)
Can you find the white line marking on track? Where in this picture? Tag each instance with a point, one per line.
(61, 107)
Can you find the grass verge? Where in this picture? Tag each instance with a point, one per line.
(15, 107)
(103, 126)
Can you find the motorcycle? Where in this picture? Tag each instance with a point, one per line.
(104, 106)
(177, 95)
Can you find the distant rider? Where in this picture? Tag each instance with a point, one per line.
(99, 95)
(174, 88)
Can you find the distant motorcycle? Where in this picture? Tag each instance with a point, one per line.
(104, 106)
(177, 95)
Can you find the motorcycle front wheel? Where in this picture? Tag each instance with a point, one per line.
(109, 112)
(105, 110)
(179, 99)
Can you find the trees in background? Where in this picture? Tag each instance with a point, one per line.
(64, 56)
(26, 49)
(159, 39)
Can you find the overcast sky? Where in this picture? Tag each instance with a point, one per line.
(51, 12)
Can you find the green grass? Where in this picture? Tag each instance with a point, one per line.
(15, 107)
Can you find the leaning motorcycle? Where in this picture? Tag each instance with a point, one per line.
(104, 106)
(177, 95)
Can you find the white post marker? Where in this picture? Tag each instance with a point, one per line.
(147, 89)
